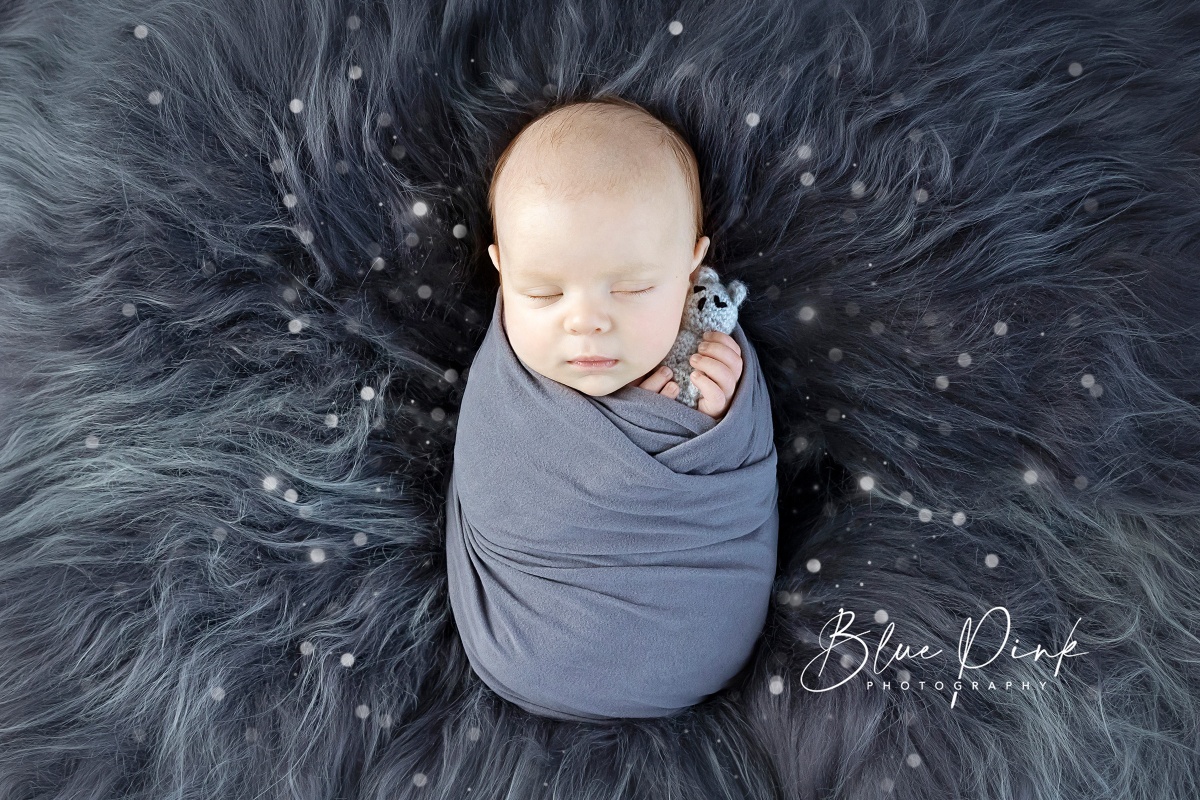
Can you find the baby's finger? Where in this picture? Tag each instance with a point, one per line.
(726, 381)
(725, 339)
(711, 394)
(657, 380)
(717, 370)
(721, 351)
(726, 356)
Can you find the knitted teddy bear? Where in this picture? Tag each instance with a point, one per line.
(711, 307)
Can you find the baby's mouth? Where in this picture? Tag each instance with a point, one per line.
(592, 362)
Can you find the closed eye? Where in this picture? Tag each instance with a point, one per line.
(548, 296)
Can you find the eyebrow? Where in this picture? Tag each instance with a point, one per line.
(638, 268)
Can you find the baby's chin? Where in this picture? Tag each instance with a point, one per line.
(598, 384)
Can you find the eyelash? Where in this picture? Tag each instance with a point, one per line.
(548, 296)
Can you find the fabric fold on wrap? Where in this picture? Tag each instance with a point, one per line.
(608, 557)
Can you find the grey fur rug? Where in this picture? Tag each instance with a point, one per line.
(242, 267)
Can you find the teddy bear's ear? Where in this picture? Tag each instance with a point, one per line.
(737, 292)
(707, 275)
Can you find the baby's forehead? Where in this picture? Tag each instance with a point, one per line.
(590, 158)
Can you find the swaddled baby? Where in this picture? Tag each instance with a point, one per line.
(610, 551)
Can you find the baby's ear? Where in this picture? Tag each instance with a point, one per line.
(494, 254)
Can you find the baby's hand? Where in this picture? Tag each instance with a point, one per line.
(660, 382)
(718, 367)
(719, 357)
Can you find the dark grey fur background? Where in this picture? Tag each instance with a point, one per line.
(174, 624)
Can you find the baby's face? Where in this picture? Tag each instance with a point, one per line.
(598, 276)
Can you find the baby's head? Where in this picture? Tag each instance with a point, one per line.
(596, 216)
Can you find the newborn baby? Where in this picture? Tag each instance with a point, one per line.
(598, 245)
(610, 551)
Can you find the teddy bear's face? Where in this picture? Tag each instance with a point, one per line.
(710, 303)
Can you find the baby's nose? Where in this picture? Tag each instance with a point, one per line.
(587, 322)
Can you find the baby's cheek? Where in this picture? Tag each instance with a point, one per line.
(659, 334)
